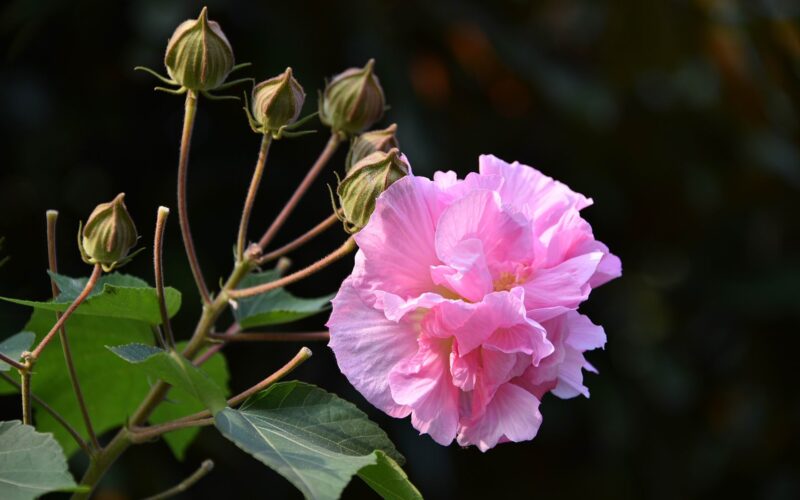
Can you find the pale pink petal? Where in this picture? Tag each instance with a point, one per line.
(423, 383)
(368, 346)
(398, 243)
(584, 335)
(513, 414)
(480, 215)
(566, 284)
(525, 185)
(467, 273)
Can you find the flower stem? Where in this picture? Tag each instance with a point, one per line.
(183, 217)
(251, 195)
(300, 241)
(271, 337)
(141, 435)
(25, 391)
(187, 483)
(312, 174)
(11, 362)
(158, 268)
(52, 260)
(302, 355)
(348, 246)
(57, 416)
(87, 289)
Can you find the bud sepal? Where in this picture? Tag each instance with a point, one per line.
(108, 236)
(198, 59)
(367, 143)
(362, 185)
(353, 101)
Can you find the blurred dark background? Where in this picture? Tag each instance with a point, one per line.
(680, 119)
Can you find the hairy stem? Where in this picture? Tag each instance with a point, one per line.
(52, 261)
(11, 362)
(258, 173)
(57, 416)
(183, 217)
(312, 174)
(302, 355)
(348, 246)
(271, 337)
(142, 435)
(158, 268)
(301, 240)
(25, 391)
(187, 483)
(87, 289)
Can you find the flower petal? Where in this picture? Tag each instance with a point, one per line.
(367, 346)
(513, 415)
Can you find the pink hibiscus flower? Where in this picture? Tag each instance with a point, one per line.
(461, 310)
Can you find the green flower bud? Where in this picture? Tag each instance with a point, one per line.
(352, 101)
(277, 101)
(369, 142)
(199, 56)
(365, 181)
(109, 235)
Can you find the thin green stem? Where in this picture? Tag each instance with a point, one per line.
(158, 268)
(348, 246)
(183, 217)
(187, 483)
(11, 362)
(25, 391)
(87, 289)
(301, 240)
(258, 173)
(302, 355)
(144, 434)
(56, 416)
(52, 260)
(280, 220)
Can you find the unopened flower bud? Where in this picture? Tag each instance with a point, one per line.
(109, 235)
(277, 102)
(369, 142)
(365, 181)
(199, 56)
(352, 101)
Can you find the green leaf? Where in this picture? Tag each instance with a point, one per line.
(388, 479)
(115, 296)
(14, 346)
(315, 440)
(173, 368)
(179, 404)
(275, 307)
(112, 387)
(31, 463)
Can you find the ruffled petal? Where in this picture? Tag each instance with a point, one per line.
(423, 383)
(367, 346)
(398, 242)
(513, 415)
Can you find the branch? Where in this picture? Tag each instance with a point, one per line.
(280, 220)
(52, 261)
(300, 241)
(183, 217)
(249, 201)
(158, 269)
(187, 483)
(348, 246)
(58, 418)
